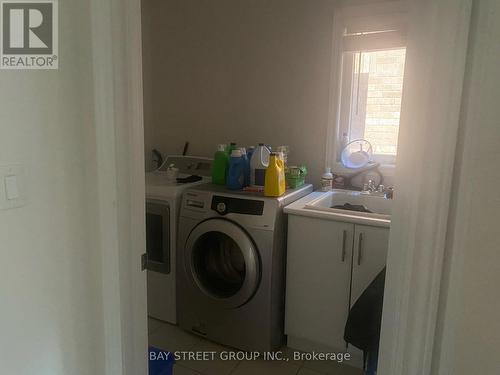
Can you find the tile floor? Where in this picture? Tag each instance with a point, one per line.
(166, 336)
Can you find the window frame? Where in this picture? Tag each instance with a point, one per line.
(345, 102)
(392, 14)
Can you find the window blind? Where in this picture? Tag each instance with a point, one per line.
(374, 32)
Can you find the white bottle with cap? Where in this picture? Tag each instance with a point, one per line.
(258, 165)
(327, 180)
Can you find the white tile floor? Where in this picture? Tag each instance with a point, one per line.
(169, 337)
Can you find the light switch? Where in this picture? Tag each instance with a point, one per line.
(11, 189)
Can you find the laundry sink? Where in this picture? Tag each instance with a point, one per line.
(345, 202)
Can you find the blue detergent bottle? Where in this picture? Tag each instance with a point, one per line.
(236, 175)
(246, 174)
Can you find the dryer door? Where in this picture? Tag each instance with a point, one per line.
(158, 236)
(222, 262)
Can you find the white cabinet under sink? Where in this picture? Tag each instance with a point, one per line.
(318, 280)
(370, 256)
(329, 265)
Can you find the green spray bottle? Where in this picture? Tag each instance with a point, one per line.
(220, 165)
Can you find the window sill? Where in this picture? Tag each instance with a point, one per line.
(387, 171)
(339, 169)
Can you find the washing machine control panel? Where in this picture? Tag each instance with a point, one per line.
(221, 208)
(195, 203)
(226, 205)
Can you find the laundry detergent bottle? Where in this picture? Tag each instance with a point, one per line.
(220, 165)
(236, 175)
(258, 165)
(246, 174)
(230, 148)
(250, 151)
(275, 184)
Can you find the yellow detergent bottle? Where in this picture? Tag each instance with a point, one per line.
(275, 185)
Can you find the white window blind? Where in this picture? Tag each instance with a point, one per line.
(375, 32)
(374, 26)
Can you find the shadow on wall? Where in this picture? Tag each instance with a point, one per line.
(248, 72)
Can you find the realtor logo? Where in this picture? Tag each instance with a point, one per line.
(29, 34)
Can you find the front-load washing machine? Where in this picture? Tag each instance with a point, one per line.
(231, 265)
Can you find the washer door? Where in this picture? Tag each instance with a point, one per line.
(222, 262)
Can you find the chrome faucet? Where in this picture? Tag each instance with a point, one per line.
(370, 187)
(380, 190)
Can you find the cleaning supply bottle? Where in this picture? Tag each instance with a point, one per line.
(236, 174)
(250, 151)
(284, 151)
(275, 185)
(246, 175)
(258, 165)
(230, 148)
(327, 180)
(220, 165)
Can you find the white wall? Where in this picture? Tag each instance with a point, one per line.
(249, 71)
(50, 315)
(468, 340)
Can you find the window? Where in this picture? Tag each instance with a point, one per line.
(373, 61)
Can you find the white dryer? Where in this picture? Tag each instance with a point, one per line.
(163, 198)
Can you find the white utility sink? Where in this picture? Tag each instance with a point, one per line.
(379, 206)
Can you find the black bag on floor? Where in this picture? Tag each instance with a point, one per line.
(365, 318)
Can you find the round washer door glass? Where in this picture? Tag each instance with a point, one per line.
(223, 261)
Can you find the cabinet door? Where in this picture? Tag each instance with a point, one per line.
(318, 281)
(370, 255)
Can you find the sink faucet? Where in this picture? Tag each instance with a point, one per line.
(370, 187)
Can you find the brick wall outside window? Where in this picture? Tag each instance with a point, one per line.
(382, 78)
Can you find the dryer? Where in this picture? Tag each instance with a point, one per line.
(231, 265)
(163, 201)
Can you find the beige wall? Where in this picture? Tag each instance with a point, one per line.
(468, 339)
(249, 71)
(50, 314)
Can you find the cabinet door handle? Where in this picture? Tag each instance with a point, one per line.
(344, 241)
(360, 249)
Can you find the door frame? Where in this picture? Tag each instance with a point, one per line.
(417, 242)
(431, 109)
(119, 131)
